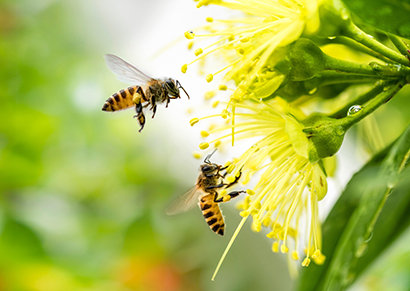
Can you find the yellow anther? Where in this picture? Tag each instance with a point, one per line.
(204, 133)
(306, 262)
(194, 121)
(217, 143)
(190, 45)
(295, 256)
(240, 51)
(230, 179)
(230, 168)
(198, 51)
(223, 193)
(184, 68)
(244, 213)
(284, 249)
(222, 87)
(227, 163)
(209, 95)
(316, 254)
(203, 145)
(256, 225)
(266, 221)
(209, 19)
(320, 260)
(196, 155)
(189, 34)
(224, 114)
(250, 192)
(215, 103)
(209, 78)
(275, 247)
(270, 235)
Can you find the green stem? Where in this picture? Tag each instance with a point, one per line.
(361, 99)
(358, 35)
(348, 121)
(372, 69)
(332, 78)
(358, 47)
(399, 44)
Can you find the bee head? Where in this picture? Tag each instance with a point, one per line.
(172, 88)
(209, 169)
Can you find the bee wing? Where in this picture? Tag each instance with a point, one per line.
(184, 202)
(125, 72)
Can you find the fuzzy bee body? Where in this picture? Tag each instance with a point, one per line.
(209, 182)
(212, 214)
(148, 91)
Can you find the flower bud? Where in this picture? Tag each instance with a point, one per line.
(325, 136)
(306, 58)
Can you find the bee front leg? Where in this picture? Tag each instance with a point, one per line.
(236, 179)
(140, 114)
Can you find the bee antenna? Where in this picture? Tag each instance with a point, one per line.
(207, 161)
(180, 86)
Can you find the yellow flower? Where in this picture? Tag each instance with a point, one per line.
(250, 45)
(285, 197)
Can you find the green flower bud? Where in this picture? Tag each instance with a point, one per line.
(325, 136)
(306, 60)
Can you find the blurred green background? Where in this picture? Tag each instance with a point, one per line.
(82, 192)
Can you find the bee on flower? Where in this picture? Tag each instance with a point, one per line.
(288, 184)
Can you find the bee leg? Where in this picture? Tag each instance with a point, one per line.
(228, 196)
(154, 110)
(236, 179)
(216, 186)
(140, 115)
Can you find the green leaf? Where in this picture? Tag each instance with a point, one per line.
(388, 15)
(350, 243)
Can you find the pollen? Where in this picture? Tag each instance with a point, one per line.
(222, 87)
(203, 145)
(190, 45)
(189, 34)
(275, 247)
(230, 168)
(250, 192)
(224, 114)
(217, 143)
(215, 103)
(295, 256)
(226, 198)
(184, 68)
(306, 262)
(244, 213)
(198, 51)
(209, 78)
(194, 121)
(230, 179)
(209, 95)
(209, 19)
(316, 254)
(284, 249)
(196, 155)
(204, 133)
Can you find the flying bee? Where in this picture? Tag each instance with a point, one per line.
(146, 91)
(209, 182)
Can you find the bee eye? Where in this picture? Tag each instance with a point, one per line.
(170, 83)
(206, 169)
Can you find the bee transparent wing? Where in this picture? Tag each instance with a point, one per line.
(126, 72)
(184, 202)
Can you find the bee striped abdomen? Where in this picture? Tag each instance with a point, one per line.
(121, 100)
(212, 214)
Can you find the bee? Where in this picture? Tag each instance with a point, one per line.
(146, 91)
(210, 181)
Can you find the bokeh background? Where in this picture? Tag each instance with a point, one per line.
(83, 193)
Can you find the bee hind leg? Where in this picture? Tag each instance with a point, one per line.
(228, 196)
